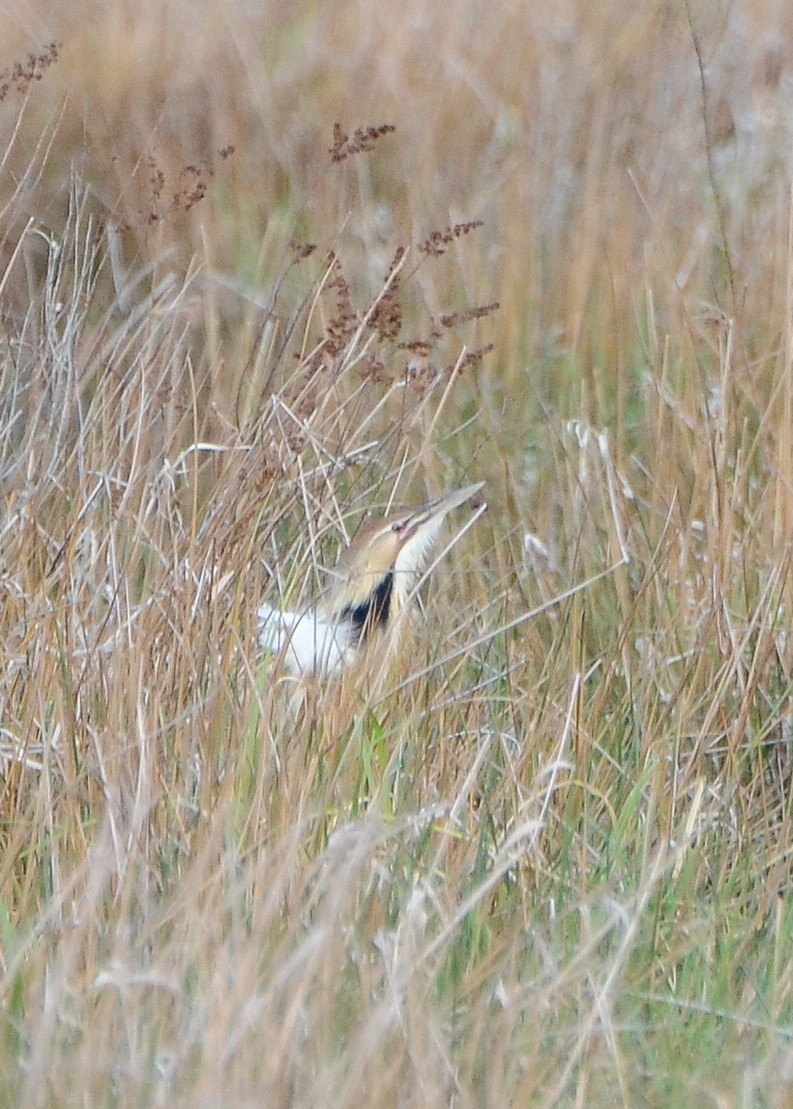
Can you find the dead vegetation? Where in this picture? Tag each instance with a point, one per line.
(550, 861)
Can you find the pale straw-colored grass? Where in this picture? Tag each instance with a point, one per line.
(549, 862)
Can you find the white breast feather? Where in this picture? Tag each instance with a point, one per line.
(305, 641)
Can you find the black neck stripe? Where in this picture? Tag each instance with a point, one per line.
(373, 612)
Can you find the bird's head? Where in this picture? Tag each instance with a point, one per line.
(381, 567)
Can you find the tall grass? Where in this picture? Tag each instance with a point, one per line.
(263, 269)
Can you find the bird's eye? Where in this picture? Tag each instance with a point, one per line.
(396, 527)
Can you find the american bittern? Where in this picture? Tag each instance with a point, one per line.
(373, 579)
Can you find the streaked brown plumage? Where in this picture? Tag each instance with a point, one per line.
(370, 585)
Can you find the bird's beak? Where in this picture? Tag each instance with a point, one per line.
(436, 509)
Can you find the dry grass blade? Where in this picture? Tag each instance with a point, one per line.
(545, 857)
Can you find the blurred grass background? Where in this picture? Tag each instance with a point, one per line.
(550, 864)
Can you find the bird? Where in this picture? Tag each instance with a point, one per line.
(370, 586)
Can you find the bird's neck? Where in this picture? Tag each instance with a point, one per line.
(374, 612)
